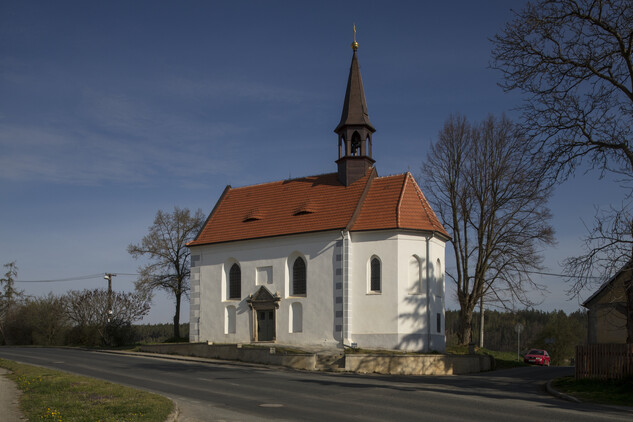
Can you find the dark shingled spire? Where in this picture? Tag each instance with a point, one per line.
(354, 130)
(354, 107)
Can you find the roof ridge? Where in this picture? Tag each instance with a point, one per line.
(400, 198)
(424, 201)
(361, 200)
(283, 180)
(391, 175)
(211, 214)
(605, 284)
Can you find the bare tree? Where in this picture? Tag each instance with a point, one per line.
(572, 59)
(166, 246)
(89, 309)
(492, 199)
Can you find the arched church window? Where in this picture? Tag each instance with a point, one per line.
(299, 277)
(235, 282)
(375, 275)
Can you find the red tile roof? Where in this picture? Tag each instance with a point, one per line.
(318, 203)
(396, 202)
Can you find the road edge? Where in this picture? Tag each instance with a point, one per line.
(560, 395)
(10, 398)
(173, 416)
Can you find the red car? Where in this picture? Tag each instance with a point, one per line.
(537, 356)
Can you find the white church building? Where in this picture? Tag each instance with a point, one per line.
(344, 259)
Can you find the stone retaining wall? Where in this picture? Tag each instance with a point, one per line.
(361, 363)
(418, 364)
(264, 355)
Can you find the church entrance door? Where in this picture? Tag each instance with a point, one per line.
(266, 325)
(264, 307)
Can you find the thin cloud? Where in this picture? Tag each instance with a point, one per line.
(84, 157)
(233, 90)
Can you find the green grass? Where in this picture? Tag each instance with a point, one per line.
(361, 351)
(49, 395)
(503, 360)
(616, 392)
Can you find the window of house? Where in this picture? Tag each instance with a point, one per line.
(439, 323)
(299, 277)
(375, 275)
(235, 282)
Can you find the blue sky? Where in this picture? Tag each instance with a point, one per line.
(110, 111)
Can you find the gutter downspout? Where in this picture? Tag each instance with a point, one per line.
(346, 323)
(428, 296)
(343, 269)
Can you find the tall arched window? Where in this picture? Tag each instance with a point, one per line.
(375, 275)
(299, 277)
(235, 282)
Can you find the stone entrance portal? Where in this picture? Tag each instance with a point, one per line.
(264, 307)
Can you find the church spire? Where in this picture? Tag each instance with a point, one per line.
(354, 130)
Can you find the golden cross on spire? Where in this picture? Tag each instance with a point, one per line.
(354, 44)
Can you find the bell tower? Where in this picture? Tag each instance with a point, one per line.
(354, 130)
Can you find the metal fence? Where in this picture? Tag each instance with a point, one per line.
(604, 361)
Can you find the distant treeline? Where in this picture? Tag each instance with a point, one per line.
(555, 331)
(80, 319)
(157, 333)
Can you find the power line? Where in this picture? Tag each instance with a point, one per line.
(78, 278)
(82, 277)
(554, 275)
(562, 275)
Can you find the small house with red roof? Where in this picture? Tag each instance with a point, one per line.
(343, 259)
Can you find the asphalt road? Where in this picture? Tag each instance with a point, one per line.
(236, 392)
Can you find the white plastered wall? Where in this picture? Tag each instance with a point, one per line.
(277, 256)
(392, 318)
(399, 317)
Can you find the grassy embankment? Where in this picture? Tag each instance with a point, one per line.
(502, 359)
(49, 395)
(614, 392)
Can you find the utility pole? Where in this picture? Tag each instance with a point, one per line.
(108, 276)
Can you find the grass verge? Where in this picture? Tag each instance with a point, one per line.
(616, 392)
(503, 360)
(49, 395)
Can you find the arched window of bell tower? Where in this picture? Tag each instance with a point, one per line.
(356, 141)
